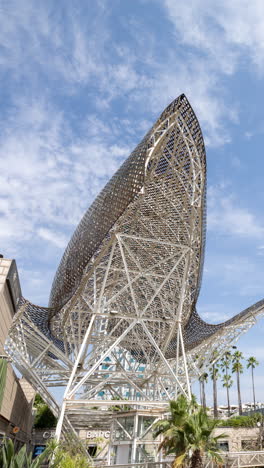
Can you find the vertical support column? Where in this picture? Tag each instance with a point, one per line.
(185, 362)
(94, 285)
(134, 443)
(177, 359)
(180, 341)
(110, 442)
(60, 421)
(63, 406)
(160, 452)
(180, 346)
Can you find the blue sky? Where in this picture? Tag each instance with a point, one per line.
(81, 83)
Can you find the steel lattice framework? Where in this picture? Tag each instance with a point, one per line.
(122, 321)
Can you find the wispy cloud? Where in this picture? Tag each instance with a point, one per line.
(49, 174)
(223, 30)
(224, 35)
(216, 313)
(59, 240)
(83, 89)
(226, 216)
(237, 280)
(74, 53)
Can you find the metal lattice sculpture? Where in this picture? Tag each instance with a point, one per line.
(122, 321)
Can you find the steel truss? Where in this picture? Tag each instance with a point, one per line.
(97, 377)
(123, 324)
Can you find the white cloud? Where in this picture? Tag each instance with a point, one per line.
(221, 36)
(238, 280)
(223, 30)
(54, 162)
(215, 313)
(227, 217)
(55, 238)
(75, 54)
(234, 220)
(249, 135)
(256, 351)
(49, 175)
(37, 283)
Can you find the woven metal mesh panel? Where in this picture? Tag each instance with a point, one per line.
(158, 193)
(40, 317)
(114, 199)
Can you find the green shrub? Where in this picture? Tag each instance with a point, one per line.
(65, 460)
(241, 421)
(21, 459)
(3, 371)
(68, 454)
(44, 418)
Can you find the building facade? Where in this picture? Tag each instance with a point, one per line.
(17, 395)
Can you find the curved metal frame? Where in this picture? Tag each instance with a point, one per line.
(122, 321)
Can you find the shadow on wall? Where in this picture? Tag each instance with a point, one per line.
(21, 418)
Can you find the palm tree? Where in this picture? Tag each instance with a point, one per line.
(238, 369)
(252, 362)
(227, 381)
(203, 379)
(187, 433)
(214, 372)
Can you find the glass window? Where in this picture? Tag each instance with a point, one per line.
(121, 433)
(250, 444)
(144, 426)
(146, 452)
(223, 445)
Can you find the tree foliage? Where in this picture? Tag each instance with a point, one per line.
(237, 368)
(68, 455)
(188, 433)
(119, 407)
(214, 374)
(241, 421)
(64, 455)
(44, 418)
(10, 459)
(227, 381)
(252, 363)
(3, 371)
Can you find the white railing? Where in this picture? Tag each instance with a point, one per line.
(141, 465)
(239, 460)
(230, 460)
